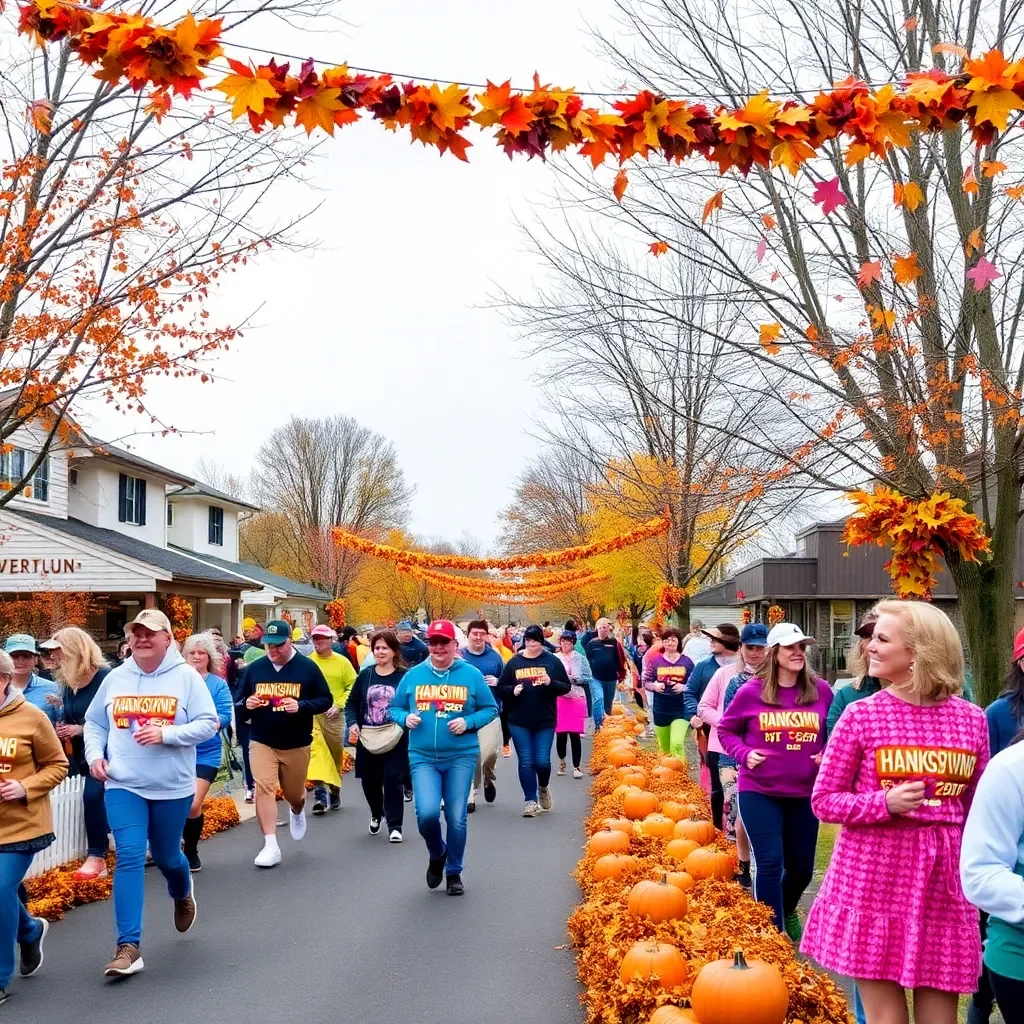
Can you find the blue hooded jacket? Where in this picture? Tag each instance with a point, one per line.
(438, 697)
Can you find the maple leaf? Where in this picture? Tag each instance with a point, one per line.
(982, 274)
(762, 248)
(910, 195)
(829, 196)
(248, 88)
(1015, 191)
(659, 248)
(620, 185)
(811, 333)
(759, 113)
(910, 24)
(494, 101)
(995, 106)
(855, 153)
(954, 48)
(905, 269)
(767, 335)
(714, 203)
(882, 319)
(791, 154)
(317, 111)
(518, 118)
(449, 106)
(870, 271)
(990, 168)
(40, 113)
(974, 242)
(768, 221)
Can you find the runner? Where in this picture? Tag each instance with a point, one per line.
(571, 710)
(482, 656)
(282, 693)
(141, 731)
(530, 684)
(340, 676)
(665, 674)
(35, 766)
(200, 651)
(382, 746)
(414, 650)
(38, 692)
(442, 702)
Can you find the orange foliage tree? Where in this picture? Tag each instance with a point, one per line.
(41, 614)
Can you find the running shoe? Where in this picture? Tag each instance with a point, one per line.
(32, 952)
(545, 798)
(577, 774)
(794, 929)
(532, 809)
(127, 960)
(435, 870)
(455, 886)
(319, 809)
(490, 792)
(396, 836)
(506, 750)
(4, 995)
(185, 911)
(297, 823)
(269, 856)
(561, 768)
(192, 856)
(336, 801)
(471, 805)
(408, 795)
(374, 826)
(250, 795)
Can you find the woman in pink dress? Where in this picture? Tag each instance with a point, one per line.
(898, 774)
(571, 709)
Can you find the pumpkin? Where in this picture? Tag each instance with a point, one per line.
(676, 764)
(680, 879)
(636, 777)
(638, 729)
(680, 849)
(619, 756)
(657, 901)
(617, 710)
(650, 959)
(638, 803)
(677, 811)
(608, 841)
(701, 832)
(613, 865)
(639, 714)
(663, 774)
(621, 790)
(739, 992)
(618, 825)
(657, 825)
(710, 863)
(673, 1015)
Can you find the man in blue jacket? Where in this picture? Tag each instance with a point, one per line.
(443, 702)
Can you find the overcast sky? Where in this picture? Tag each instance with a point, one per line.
(386, 318)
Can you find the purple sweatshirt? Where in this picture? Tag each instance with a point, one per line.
(787, 733)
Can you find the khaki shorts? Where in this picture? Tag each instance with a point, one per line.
(285, 768)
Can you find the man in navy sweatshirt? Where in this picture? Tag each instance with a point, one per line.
(607, 661)
(282, 693)
(480, 654)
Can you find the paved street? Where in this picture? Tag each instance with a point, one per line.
(345, 929)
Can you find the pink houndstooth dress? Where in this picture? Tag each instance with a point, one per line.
(891, 907)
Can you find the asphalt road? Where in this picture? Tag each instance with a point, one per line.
(343, 929)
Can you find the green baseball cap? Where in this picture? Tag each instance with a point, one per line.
(277, 631)
(21, 642)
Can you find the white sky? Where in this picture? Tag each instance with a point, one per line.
(383, 320)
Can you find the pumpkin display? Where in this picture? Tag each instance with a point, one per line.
(657, 901)
(677, 811)
(701, 832)
(613, 865)
(680, 849)
(651, 959)
(739, 992)
(608, 841)
(638, 803)
(635, 777)
(672, 762)
(680, 879)
(617, 711)
(618, 825)
(657, 825)
(673, 1015)
(710, 863)
(621, 790)
(619, 756)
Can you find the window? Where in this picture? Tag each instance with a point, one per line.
(12, 468)
(216, 525)
(170, 514)
(131, 500)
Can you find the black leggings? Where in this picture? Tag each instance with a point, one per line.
(1010, 997)
(717, 793)
(506, 732)
(577, 747)
(382, 778)
(983, 997)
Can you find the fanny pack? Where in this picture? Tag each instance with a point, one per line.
(379, 739)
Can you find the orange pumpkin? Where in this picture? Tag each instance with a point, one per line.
(613, 865)
(710, 863)
(738, 991)
(657, 901)
(638, 729)
(619, 756)
(663, 774)
(701, 832)
(636, 777)
(680, 849)
(676, 764)
(677, 811)
(621, 790)
(657, 825)
(638, 803)
(617, 710)
(650, 959)
(618, 825)
(680, 879)
(673, 1015)
(608, 841)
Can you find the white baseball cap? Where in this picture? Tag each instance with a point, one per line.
(785, 634)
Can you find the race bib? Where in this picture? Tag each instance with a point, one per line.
(133, 711)
(272, 694)
(945, 771)
(792, 728)
(8, 753)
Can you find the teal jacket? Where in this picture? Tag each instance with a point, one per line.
(438, 697)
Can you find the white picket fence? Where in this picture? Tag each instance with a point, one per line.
(68, 827)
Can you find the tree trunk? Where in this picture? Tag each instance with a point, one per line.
(682, 614)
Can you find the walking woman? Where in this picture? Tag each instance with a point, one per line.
(382, 747)
(665, 673)
(571, 710)
(141, 731)
(898, 774)
(531, 683)
(81, 670)
(36, 765)
(774, 729)
(203, 654)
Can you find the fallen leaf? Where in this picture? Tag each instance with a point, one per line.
(982, 274)
(870, 271)
(912, 196)
(955, 48)
(621, 184)
(829, 196)
(659, 248)
(714, 203)
(995, 106)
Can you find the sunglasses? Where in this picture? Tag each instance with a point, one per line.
(439, 641)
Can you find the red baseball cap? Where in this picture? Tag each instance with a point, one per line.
(441, 627)
(1018, 646)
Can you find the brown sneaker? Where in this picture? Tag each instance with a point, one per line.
(128, 960)
(545, 798)
(185, 911)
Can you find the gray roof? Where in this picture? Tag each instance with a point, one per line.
(199, 488)
(180, 565)
(102, 449)
(256, 572)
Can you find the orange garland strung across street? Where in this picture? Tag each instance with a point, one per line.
(763, 132)
(528, 583)
(718, 917)
(525, 593)
(534, 560)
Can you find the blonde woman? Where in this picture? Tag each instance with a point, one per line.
(899, 774)
(81, 669)
(202, 652)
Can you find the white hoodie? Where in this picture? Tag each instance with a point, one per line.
(176, 697)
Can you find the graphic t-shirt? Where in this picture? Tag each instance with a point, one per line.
(788, 734)
(534, 707)
(133, 711)
(668, 705)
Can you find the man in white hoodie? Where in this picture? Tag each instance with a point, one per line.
(141, 731)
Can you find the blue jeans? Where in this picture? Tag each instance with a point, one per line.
(96, 828)
(451, 779)
(533, 750)
(858, 1007)
(15, 923)
(608, 689)
(135, 820)
(596, 702)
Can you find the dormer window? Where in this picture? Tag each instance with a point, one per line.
(216, 531)
(12, 468)
(131, 500)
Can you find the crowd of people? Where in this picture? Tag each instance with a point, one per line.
(928, 788)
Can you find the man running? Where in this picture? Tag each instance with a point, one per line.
(340, 676)
(480, 654)
(282, 691)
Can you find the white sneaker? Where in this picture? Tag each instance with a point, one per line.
(269, 856)
(395, 837)
(561, 768)
(297, 823)
(532, 809)
(577, 774)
